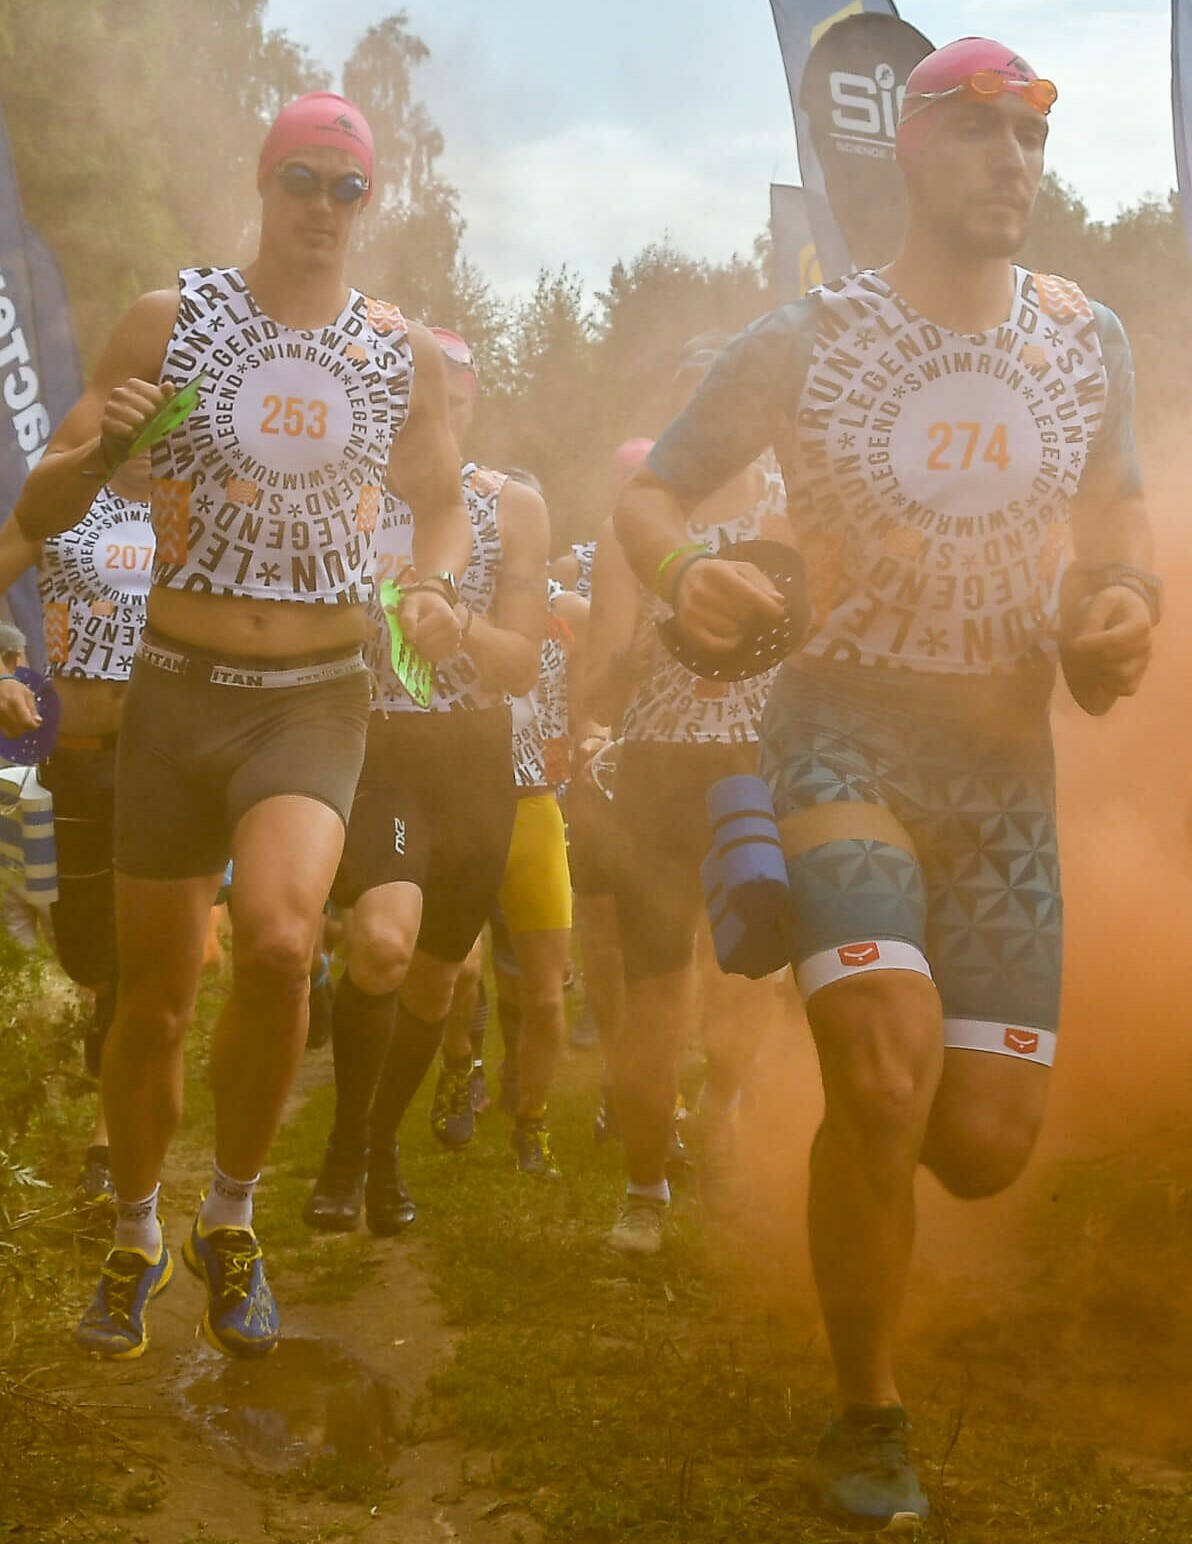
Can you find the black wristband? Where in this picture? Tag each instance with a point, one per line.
(446, 585)
(1149, 586)
(426, 587)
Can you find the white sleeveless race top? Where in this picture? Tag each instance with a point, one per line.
(585, 553)
(93, 582)
(673, 705)
(457, 682)
(935, 471)
(541, 723)
(273, 486)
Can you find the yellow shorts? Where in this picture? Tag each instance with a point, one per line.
(536, 891)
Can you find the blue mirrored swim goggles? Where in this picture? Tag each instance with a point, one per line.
(300, 182)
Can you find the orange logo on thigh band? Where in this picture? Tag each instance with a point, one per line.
(860, 954)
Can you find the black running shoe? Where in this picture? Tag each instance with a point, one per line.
(678, 1159)
(861, 1466)
(478, 1089)
(452, 1118)
(333, 1206)
(95, 1186)
(606, 1127)
(531, 1143)
(388, 1206)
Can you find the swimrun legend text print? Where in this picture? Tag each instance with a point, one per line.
(457, 680)
(541, 722)
(935, 470)
(93, 582)
(273, 486)
(672, 703)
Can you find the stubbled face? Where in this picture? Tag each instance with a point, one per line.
(461, 401)
(312, 232)
(973, 181)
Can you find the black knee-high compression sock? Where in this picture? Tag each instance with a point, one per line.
(479, 1022)
(361, 1029)
(509, 1013)
(412, 1048)
(97, 1031)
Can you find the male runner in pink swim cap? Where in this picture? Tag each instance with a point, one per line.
(243, 730)
(952, 430)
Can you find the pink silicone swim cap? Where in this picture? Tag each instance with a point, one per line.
(457, 352)
(943, 70)
(455, 348)
(318, 118)
(628, 456)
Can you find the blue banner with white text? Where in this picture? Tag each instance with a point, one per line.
(1181, 104)
(846, 68)
(40, 375)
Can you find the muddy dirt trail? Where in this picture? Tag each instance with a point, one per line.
(330, 1437)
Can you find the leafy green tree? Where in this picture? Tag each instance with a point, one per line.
(79, 94)
(228, 78)
(410, 239)
(540, 413)
(1140, 266)
(135, 129)
(651, 308)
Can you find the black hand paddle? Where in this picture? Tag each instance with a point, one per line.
(765, 647)
(27, 749)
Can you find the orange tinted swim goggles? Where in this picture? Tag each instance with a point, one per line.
(986, 86)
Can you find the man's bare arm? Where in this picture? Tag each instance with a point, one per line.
(424, 466)
(95, 435)
(715, 602)
(506, 645)
(613, 665)
(17, 553)
(1105, 628)
(424, 470)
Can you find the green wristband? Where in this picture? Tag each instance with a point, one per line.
(671, 557)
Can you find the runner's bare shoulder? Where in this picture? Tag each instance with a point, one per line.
(135, 350)
(137, 346)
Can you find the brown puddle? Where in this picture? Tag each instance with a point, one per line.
(309, 1399)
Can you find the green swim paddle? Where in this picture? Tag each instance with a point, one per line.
(416, 674)
(168, 416)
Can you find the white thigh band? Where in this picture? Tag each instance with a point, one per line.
(1028, 1044)
(857, 959)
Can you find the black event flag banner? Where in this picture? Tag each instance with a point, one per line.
(1181, 103)
(796, 262)
(800, 24)
(40, 375)
(846, 67)
(61, 372)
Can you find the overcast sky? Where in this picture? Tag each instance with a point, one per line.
(578, 133)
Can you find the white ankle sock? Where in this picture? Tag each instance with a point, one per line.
(137, 1226)
(658, 1192)
(228, 1203)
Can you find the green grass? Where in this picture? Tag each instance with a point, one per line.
(674, 1401)
(663, 1403)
